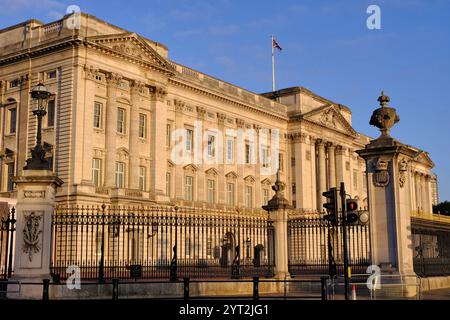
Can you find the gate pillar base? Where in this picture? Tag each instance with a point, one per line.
(394, 285)
(36, 191)
(278, 208)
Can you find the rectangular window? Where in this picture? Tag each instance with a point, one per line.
(248, 196)
(211, 145)
(211, 191)
(264, 157)
(188, 188)
(96, 172)
(12, 120)
(230, 194)
(120, 120)
(51, 74)
(168, 184)
(51, 113)
(10, 183)
(142, 178)
(120, 175)
(230, 150)
(14, 83)
(189, 140)
(280, 162)
(247, 154)
(265, 196)
(142, 125)
(292, 162)
(168, 133)
(294, 188)
(97, 117)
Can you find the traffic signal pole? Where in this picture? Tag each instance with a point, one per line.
(344, 239)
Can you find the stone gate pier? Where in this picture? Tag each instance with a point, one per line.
(388, 163)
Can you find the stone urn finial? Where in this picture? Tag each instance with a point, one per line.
(384, 117)
(278, 201)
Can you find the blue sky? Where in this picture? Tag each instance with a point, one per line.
(326, 48)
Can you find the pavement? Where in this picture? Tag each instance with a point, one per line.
(439, 294)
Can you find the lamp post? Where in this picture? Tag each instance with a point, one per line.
(37, 160)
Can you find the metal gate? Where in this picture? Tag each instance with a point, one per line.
(7, 229)
(160, 243)
(315, 247)
(431, 243)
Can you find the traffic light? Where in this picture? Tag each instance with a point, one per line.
(331, 205)
(352, 214)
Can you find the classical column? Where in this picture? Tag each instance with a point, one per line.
(332, 165)
(136, 89)
(340, 164)
(221, 147)
(199, 152)
(424, 193)
(178, 169)
(158, 143)
(112, 80)
(298, 173)
(322, 174)
(313, 172)
(418, 198)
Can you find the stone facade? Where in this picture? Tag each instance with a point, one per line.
(117, 99)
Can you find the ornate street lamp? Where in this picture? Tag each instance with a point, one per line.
(37, 160)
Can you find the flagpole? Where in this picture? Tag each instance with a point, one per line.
(273, 66)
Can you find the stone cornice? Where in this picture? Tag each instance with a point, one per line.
(41, 49)
(218, 96)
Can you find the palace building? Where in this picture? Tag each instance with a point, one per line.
(117, 100)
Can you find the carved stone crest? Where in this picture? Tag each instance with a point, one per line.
(381, 174)
(327, 118)
(32, 234)
(402, 168)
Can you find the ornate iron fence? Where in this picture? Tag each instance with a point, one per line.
(160, 243)
(315, 248)
(431, 243)
(7, 229)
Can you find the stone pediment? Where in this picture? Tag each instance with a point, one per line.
(266, 182)
(131, 45)
(328, 116)
(212, 172)
(424, 157)
(249, 179)
(231, 175)
(190, 168)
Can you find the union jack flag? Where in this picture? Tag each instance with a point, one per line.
(276, 45)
